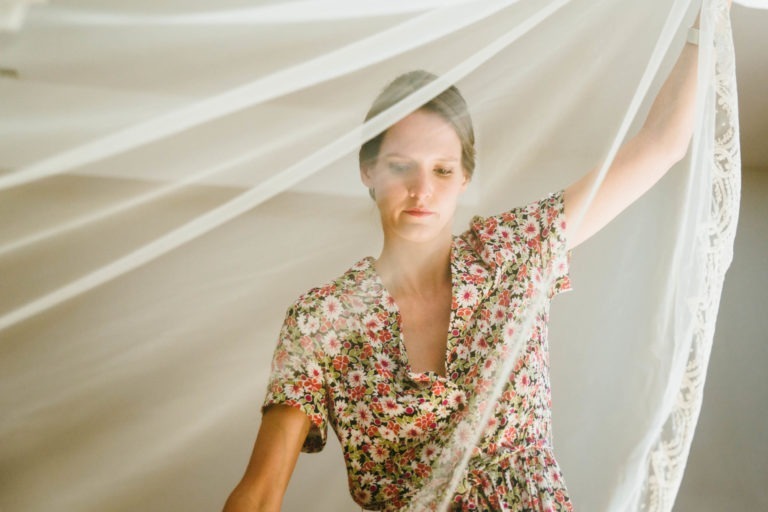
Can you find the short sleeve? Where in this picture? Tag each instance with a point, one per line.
(530, 238)
(297, 375)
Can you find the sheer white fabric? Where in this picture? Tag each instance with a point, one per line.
(180, 175)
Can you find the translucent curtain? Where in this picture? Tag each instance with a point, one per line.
(180, 175)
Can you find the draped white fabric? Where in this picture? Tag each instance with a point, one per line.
(180, 175)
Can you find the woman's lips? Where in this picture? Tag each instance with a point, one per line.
(418, 212)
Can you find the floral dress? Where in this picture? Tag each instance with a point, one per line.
(341, 359)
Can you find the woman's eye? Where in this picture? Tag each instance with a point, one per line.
(398, 167)
(444, 171)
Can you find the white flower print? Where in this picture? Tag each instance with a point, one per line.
(466, 295)
(332, 343)
(506, 233)
(379, 452)
(530, 229)
(456, 398)
(372, 323)
(523, 382)
(391, 406)
(355, 437)
(384, 362)
(294, 390)
(498, 315)
(429, 452)
(356, 378)
(427, 406)
(331, 308)
(363, 414)
(389, 435)
(367, 479)
(356, 305)
(308, 324)
(314, 370)
(389, 304)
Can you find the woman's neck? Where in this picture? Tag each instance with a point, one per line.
(415, 268)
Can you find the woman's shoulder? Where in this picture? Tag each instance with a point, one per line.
(343, 292)
(545, 208)
(514, 233)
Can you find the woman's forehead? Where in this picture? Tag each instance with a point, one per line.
(422, 133)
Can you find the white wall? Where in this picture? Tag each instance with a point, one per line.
(728, 464)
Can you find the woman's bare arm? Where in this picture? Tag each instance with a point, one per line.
(643, 160)
(278, 444)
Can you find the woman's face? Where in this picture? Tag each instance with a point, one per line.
(417, 177)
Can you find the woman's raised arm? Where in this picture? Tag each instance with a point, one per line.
(643, 160)
(278, 444)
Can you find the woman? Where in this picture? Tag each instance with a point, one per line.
(391, 352)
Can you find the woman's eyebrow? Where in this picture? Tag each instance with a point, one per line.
(439, 159)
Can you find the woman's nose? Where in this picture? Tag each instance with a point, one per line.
(421, 185)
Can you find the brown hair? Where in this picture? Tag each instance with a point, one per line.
(449, 104)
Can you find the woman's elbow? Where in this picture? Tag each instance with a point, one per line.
(678, 149)
(246, 499)
(669, 148)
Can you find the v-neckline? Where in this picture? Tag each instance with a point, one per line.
(399, 318)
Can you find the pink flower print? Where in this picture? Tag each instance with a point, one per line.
(331, 308)
(467, 295)
(530, 229)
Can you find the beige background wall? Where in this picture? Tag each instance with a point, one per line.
(728, 464)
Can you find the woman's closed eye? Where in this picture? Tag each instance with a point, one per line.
(443, 171)
(399, 166)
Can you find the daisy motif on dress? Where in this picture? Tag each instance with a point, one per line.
(457, 398)
(356, 378)
(379, 452)
(442, 411)
(355, 304)
(308, 325)
(314, 371)
(429, 452)
(363, 414)
(372, 322)
(466, 295)
(331, 343)
(427, 406)
(389, 304)
(498, 315)
(355, 437)
(530, 229)
(361, 265)
(331, 308)
(362, 495)
(392, 406)
(367, 479)
(480, 343)
(412, 431)
(384, 365)
(506, 233)
(294, 390)
(489, 365)
(339, 407)
(389, 435)
(523, 382)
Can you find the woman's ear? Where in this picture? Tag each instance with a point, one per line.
(365, 174)
(467, 179)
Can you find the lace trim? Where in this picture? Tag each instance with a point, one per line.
(715, 247)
